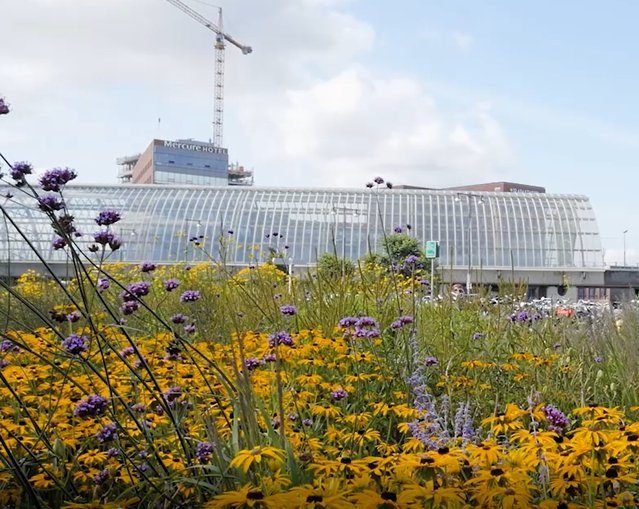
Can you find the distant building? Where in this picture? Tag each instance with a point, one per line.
(499, 187)
(489, 187)
(182, 162)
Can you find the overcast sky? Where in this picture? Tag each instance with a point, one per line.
(424, 92)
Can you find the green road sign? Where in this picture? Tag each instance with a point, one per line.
(432, 249)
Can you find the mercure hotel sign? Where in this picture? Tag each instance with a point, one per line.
(194, 147)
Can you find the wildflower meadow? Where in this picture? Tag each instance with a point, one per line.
(347, 386)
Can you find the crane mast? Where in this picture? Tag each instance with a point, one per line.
(220, 43)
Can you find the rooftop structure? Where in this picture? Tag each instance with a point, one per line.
(182, 162)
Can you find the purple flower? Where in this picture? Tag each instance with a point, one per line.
(369, 185)
(557, 420)
(599, 359)
(8, 345)
(378, 180)
(347, 321)
(126, 351)
(280, 338)
(113, 452)
(4, 107)
(54, 179)
(129, 307)
(91, 406)
(406, 319)
(115, 244)
(148, 267)
(103, 284)
(107, 217)
(252, 363)
(178, 318)
(430, 361)
(103, 237)
(397, 229)
(288, 310)
(74, 316)
(50, 202)
(20, 169)
(389, 185)
(189, 328)
(171, 284)
(107, 433)
(101, 477)
(135, 290)
(173, 393)
(58, 243)
(396, 325)
(339, 394)
(269, 357)
(190, 296)
(366, 321)
(203, 452)
(75, 344)
(477, 336)
(307, 422)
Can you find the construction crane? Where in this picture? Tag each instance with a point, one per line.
(220, 38)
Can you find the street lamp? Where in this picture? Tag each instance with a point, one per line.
(624, 247)
(474, 198)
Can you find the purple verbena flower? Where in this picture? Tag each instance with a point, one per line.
(91, 406)
(178, 318)
(107, 433)
(4, 107)
(430, 361)
(347, 321)
(75, 344)
(288, 310)
(557, 420)
(397, 229)
(74, 316)
(50, 202)
(103, 237)
(269, 357)
(171, 284)
(136, 290)
(103, 284)
(126, 351)
(8, 345)
(58, 243)
(366, 321)
(148, 267)
(20, 169)
(101, 477)
(129, 307)
(280, 338)
(378, 180)
(189, 328)
(173, 393)
(203, 452)
(477, 336)
(190, 296)
(251, 363)
(339, 394)
(54, 179)
(116, 243)
(108, 217)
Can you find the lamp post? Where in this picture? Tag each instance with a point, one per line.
(470, 198)
(624, 247)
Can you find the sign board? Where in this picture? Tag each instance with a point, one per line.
(432, 249)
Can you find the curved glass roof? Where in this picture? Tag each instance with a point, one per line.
(498, 230)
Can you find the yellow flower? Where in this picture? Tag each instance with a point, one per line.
(245, 458)
(246, 496)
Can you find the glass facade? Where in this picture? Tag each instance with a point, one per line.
(489, 230)
(187, 162)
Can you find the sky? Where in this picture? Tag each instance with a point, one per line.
(337, 92)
